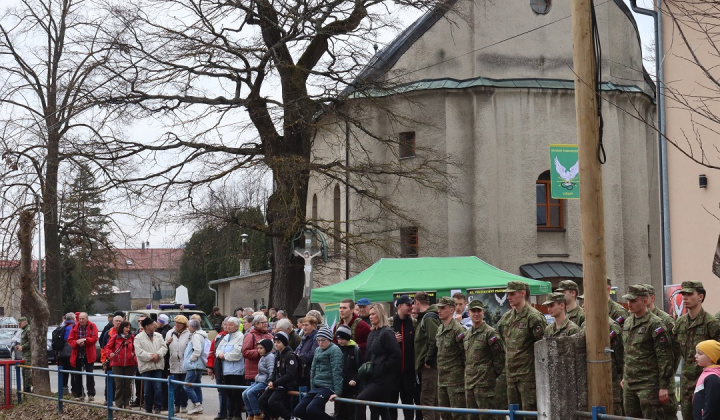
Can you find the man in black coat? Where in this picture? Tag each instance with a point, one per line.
(409, 389)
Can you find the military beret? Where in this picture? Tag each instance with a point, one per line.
(476, 304)
(567, 285)
(691, 286)
(446, 301)
(555, 297)
(516, 286)
(635, 291)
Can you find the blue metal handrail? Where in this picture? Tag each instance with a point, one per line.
(513, 410)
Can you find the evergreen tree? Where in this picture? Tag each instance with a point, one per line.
(87, 259)
(214, 252)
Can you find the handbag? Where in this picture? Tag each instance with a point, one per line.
(366, 369)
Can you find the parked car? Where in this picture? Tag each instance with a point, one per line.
(172, 310)
(100, 321)
(6, 338)
(17, 355)
(8, 322)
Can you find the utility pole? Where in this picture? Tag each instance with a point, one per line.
(592, 215)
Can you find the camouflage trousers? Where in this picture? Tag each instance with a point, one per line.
(451, 396)
(687, 391)
(643, 403)
(671, 408)
(482, 398)
(27, 377)
(522, 393)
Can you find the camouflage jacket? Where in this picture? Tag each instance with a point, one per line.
(520, 331)
(568, 328)
(450, 354)
(648, 353)
(689, 333)
(576, 315)
(484, 357)
(617, 312)
(618, 354)
(25, 343)
(669, 324)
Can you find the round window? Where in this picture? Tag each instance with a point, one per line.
(540, 7)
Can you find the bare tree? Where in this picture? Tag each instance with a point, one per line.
(55, 71)
(250, 83)
(37, 304)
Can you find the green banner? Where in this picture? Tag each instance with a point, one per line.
(564, 171)
(332, 314)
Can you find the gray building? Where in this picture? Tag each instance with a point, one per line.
(491, 86)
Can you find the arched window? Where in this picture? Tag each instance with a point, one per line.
(314, 208)
(336, 219)
(550, 212)
(540, 7)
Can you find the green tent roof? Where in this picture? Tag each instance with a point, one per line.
(440, 274)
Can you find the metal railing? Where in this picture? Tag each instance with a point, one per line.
(513, 412)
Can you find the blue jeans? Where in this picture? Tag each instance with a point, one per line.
(193, 392)
(312, 406)
(181, 397)
(251, 397)
(153, 390)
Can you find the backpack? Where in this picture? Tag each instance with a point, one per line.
(58, 338)
(206, 351)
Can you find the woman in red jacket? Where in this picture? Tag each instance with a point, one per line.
(121, 351)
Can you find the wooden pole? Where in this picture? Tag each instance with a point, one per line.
(599, 365)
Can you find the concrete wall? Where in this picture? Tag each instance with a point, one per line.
(694, 224)
(497, 141)
(244, 291)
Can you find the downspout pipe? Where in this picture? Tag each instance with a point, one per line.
(662, 139)
(214, 291)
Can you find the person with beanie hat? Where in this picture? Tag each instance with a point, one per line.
(266, 366)
(275, 401)
(706, 400)
(351, 363)
(325, 378)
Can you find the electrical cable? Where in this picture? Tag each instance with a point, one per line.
(597, 52)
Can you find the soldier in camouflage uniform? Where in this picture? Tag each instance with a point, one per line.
(649, 360)
(571, 290)
(615, 310)
(690, 329)
(520, 328)
(450, 359)
(563, 326)
(484, 363)
(671, 408)
(26, 353)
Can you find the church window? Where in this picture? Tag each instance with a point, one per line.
(407, 144)
(409, 242)
(550, 212)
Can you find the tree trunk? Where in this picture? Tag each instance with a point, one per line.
(37, 305)
(286, 286)
(53, 286)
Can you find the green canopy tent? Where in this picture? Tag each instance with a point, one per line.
(440, 274)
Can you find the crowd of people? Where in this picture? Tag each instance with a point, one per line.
(432, 354)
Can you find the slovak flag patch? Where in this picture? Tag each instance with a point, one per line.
(620, 319)
(612, 334)
(658, 330)
(493, 339)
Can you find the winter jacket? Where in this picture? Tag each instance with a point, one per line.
(176, 349)
(407, 345)
(425, 343)
(250, 353)
(194, 350)
(145, 348)
(706, 398)
(125, 348)
(305, 352)
(66, 351)
(231, 347)
(109, 334)
(91, 337)
(294, 340)
(286, 372)
(326, 370)
(360, 331)
(266, 366)
(384, 351)
(214, 363)
(351, 363)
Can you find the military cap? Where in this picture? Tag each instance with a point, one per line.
(446, 301)
(635, 291)
(516, 286)
(567, 285)
(475, 304)
(650, 288)
(555, 297)
(691, 286)
(22, 319)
